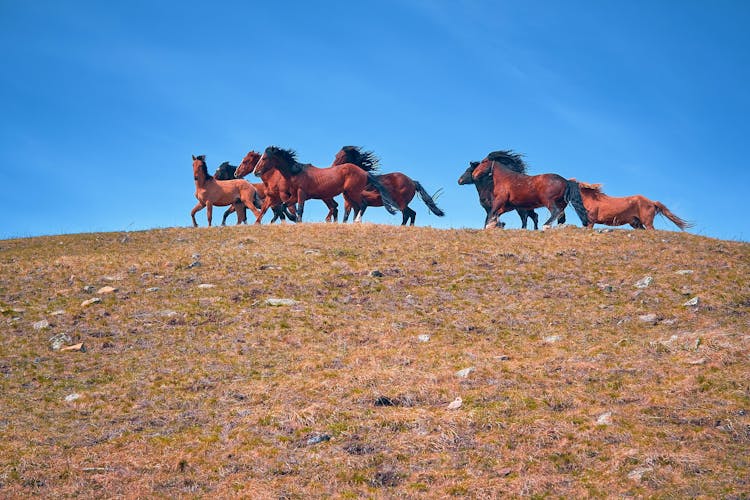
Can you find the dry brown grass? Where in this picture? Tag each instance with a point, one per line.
(190, 391)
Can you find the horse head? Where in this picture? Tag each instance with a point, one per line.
(199, 167)
(225, 172)
(466, 177)
(284, 160)
(247, 165)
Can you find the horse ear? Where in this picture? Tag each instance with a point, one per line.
(194, 158)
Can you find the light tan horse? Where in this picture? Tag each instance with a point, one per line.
(638, 211)
(210, 192)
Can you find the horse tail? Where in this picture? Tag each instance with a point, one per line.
(428, 200)
(388, 202)
(573, 196)
(662, 210)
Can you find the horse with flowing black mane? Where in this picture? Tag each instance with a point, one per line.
(307, 181)
(513, 189)
(484, 187)
(278, 188)
(637, 210)
(226, 172)
(401, 187)
(210, 192)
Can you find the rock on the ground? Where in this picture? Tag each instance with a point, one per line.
(644, 282)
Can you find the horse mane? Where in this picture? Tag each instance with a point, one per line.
(366, 160)
(509, 159)
(204, 168)
(288, 157)
(593, 190)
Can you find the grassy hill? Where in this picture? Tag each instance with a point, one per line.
(575, 381)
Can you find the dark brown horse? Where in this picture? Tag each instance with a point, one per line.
(513, 189)
(400, 186)
(484, 187)
(226, 172)
(210, 192)
(308, 181)
(638, 211)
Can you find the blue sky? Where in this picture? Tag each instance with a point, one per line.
(104, 103)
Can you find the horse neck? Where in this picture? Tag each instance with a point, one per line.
(200, 178)
(484, 189)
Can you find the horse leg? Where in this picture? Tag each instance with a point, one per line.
(300, 205)
(241, 210)
(194, 211)
(226, 214)
(333, 210)
(209, 212)
(524, 215)
(263, 209)
(408, 214)
(347, 210)
(554, 213)
(498, 208)
(534, 217)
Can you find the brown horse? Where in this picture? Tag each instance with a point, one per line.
(210, 192)
(400, 186)
(308, 181)
(226, 172)
(638, 211)
(484, 187)
(512, 188)
(278, 189)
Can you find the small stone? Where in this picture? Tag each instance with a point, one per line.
(423, 337)
(502, 357)
(280, 302)
(376, 274)
(206, 285)
(604, 419)
(644, 282)
(59, 312)
(88, 289)
(194, 264)
(465, 372)
(269, 267)
(699, 361)
(106, 289)
(72, 397)
(691, 302)
(552, 339)
(648, 318)
(686, 290)
(637, 474)
(95, 300)
(196, 256)
(685, 271)
(455, 404)
(40, 325)
(152, 289)
(506, 471)
(59, 340)
(312, 252)
(318, 438)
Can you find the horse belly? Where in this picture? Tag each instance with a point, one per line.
(615, 212)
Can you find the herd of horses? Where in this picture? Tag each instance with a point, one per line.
(501, 180)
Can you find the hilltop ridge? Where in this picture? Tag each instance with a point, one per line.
(592, 363)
